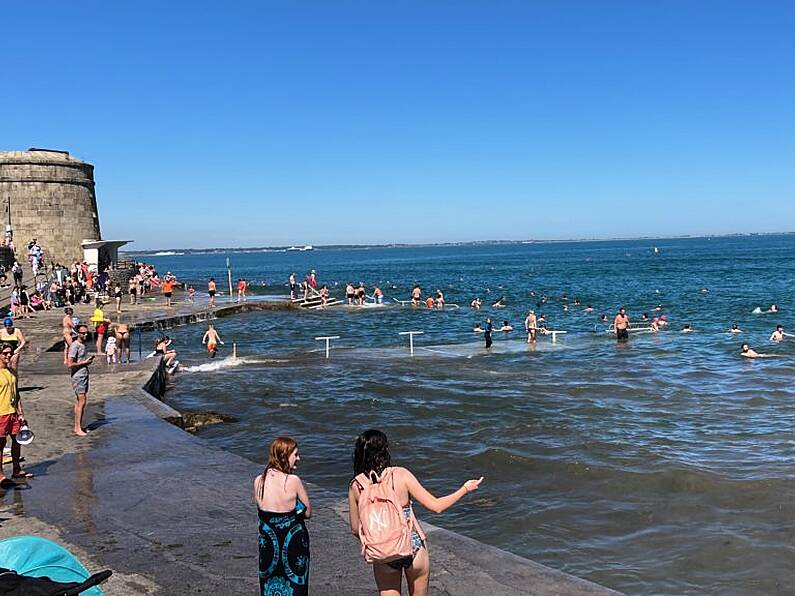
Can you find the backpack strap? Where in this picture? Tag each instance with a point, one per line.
(362, 480)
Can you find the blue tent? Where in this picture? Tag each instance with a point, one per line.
(38, 557)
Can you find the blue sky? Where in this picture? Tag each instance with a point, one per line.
(268, 123)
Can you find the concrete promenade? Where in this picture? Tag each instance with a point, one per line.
(171, 515)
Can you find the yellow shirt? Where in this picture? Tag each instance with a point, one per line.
(8, 392)
(98, 316)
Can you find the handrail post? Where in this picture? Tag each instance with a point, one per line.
(328, 339)
(411, 335)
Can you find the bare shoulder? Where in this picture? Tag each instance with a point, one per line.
(402, 473)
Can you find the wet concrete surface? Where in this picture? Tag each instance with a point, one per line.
(171, 515)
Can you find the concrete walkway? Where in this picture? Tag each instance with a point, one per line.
(171, 515)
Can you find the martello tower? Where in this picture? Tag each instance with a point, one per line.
(52, 198)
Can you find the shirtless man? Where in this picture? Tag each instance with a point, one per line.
(506, 327)
(378, 295)
(735, 328)
(211, 339)
(779, 334)
(68, 331)
(621, 325)
(748, 352)
(211, 289)
(476, 303)
(350, 293)
(293, 286)
(530, 325)
(439, 299)
(416, 296)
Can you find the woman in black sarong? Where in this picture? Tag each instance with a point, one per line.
(283, 505)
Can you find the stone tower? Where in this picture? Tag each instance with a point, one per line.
(51, 196)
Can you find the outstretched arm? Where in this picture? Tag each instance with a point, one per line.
(437, 505)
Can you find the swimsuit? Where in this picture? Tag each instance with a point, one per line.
(416, 544)
(9, 339)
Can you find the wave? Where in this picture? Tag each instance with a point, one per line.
(229, 362)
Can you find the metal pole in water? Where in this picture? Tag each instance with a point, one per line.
(229, 278)
(328, 339)
(411, 335)
(234, 350)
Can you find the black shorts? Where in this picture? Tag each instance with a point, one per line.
(622, 334)
(167, 294)
(211, 292)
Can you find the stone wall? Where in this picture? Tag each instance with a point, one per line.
(52, 199)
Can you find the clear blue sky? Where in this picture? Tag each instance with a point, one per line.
(327, 121)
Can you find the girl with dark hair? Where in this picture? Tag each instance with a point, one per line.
(282, 505)
(371, 458)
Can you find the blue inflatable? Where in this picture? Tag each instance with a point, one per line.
(38, 557)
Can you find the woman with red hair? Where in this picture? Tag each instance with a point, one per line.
(283, 505)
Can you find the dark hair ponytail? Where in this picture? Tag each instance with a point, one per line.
(371, 453)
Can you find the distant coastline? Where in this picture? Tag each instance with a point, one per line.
(285, 248)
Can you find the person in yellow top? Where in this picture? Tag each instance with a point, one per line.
(99, 314)
(12, 417)
(14, 338)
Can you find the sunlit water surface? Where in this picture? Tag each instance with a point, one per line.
(660, 466)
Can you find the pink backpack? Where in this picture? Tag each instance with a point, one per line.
(384, 531)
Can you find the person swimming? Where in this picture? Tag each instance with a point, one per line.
(779, 334)
(735, 328)
(687, 328)
(476, 303)
(747, 352)
(500, 303)
(758, 310)
(478, 329)
(506, 327)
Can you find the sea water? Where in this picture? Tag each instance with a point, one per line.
(664, 465)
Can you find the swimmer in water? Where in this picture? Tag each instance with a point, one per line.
(603, 319)
(429, 302)
(589, 308)
(644, 317)
(478, 328)
(663, 321)
(621, 325)
(487, 333)
(531, 326)
(500, 303)
(211, 339)
(565, 308)
(747, 352)
(655, 325)
(476, 303)
(779, 334)
(687, 328)
(735, 328)
(506, 327)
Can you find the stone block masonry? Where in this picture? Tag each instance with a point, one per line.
(52, 198)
